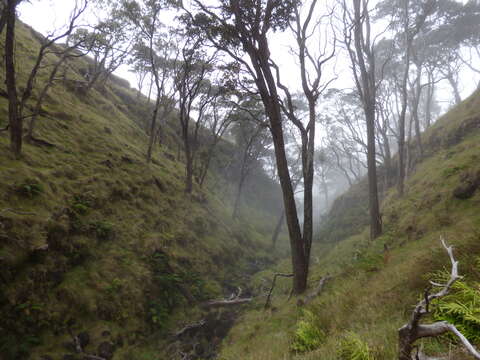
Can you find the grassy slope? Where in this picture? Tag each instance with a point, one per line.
(372, 293)
(109, 221)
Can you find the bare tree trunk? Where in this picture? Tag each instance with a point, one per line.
(454, 84)
(416, 101)
(14, 117)
(278, 229)
(188, 162)
(428, 101)
(153, 125)
(375, 220)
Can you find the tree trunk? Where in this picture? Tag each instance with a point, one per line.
(454, 85)
(375, 220)
(14, 118)
(189, 163)
(416, 101)
(236, 204)
(308, 184)
(278, 229)
(153, 125)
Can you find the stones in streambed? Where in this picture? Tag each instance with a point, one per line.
(106, 350)
(201, 340)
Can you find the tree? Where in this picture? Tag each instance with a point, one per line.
(217, 123)
(16, 104)
(109, 44)
(312, 60)
(361, 50)
(195, 92)
(243, 27)
(249, 131)
(154, 51)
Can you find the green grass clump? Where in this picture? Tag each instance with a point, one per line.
(29, 188)
(352, 347)
(308, 336)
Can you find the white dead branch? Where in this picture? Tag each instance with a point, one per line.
(413, 330)
(232, 301)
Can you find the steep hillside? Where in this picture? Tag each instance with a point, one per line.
(99, 246)
(376, 283)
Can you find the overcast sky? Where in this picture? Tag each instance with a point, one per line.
(47, 15)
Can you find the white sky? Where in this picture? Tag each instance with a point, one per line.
(47, 15)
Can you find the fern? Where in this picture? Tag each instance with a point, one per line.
(461, 308)
(308, 335)
(353, 348)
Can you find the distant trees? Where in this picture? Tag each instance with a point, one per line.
(17, 103)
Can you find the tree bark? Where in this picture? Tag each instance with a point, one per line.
(278, 229)
(14, 118)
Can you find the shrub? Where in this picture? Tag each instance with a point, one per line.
(103, 230)
(29, 188)
(353, 348)
(308, 335)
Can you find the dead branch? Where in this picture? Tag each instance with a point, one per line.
(92, 357)
(413, 330)
(222, 303)
(17, 212)
(188, 328)
(308, 298)
(267, 303)
(232, 301)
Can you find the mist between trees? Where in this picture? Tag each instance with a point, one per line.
(217, 74)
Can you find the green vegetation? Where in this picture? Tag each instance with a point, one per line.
(376, 283)
(307, 336)
(92, 239)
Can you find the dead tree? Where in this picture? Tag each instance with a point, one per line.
(414, 330)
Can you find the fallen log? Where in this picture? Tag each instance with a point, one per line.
(232, 301)
(224, 303)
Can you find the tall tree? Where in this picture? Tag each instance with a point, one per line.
(241, 27)
(312, 57)
(361, 49)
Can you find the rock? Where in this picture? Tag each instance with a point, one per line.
(467, 187)
(107, 130)
(69, 357)
(83, 339)
(70, 346)
(199, 350)
(119, 342)
(107, 163)
(106, 350)
(127, 159)
(169, 156)
(106, 333)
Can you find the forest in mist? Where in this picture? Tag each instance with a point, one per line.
(292, 102)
